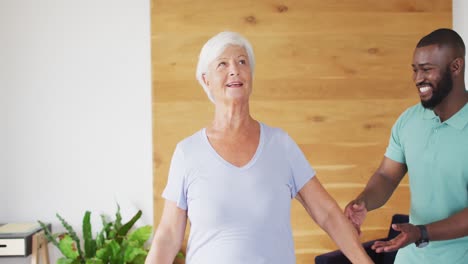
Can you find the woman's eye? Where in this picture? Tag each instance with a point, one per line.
(242, 62)
(221, 64)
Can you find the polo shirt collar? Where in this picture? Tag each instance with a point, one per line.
(459, 120)
(429, 114)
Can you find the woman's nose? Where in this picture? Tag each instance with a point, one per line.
(233, 70)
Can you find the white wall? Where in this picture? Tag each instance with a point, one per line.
(460, 24)
(75, 110)
(460, 18)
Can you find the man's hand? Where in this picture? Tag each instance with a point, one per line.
(356, 212)
(409, 234)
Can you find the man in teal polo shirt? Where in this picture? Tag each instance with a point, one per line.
(430, 142)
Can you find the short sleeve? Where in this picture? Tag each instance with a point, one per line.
(176, 189)
(301, 171)
(395, 149)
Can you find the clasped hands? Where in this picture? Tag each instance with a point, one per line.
(356, 212)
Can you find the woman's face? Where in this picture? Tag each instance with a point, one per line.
(229, 77)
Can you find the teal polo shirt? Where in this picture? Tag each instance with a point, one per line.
(436, 154)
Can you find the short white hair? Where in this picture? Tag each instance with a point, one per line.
(214, 47)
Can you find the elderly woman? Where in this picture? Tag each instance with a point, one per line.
(234, 180)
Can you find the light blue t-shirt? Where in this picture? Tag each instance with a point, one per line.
(436, 155)
(238, 215)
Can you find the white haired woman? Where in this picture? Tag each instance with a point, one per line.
(234, 180)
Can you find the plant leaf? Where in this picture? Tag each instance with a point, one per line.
(106, 225)
(114, 244)
(115, 250)
(141, 235)
(124, 230)
(131, 253)
(68, 247)
(118, 218)
(89, 242)
(94, 261)
(103, 254)
(50, 237)
(72, 234)
(67, 261)
(180, 255)
(140, 259)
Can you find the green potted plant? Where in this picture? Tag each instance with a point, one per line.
(116, 243)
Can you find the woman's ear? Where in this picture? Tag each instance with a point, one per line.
(205, 80)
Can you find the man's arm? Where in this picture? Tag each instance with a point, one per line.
(382, 184)
(455, 226)
(378, 190)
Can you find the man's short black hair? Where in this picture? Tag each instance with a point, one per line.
(444, 37)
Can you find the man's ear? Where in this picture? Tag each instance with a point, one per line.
(457, 65)
(205, 80)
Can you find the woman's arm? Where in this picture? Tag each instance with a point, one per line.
(327, 214)
(169, 236)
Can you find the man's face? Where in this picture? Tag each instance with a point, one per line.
(431, 74)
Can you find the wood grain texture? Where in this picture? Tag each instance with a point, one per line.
(334, 74)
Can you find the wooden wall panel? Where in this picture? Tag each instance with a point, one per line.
(334, 74)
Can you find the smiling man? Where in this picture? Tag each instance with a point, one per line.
(429, 141)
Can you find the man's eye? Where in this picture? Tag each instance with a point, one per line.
(221, 64)
(242, 62)
(426, 69)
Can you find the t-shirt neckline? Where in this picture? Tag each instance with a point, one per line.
(228, 164)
